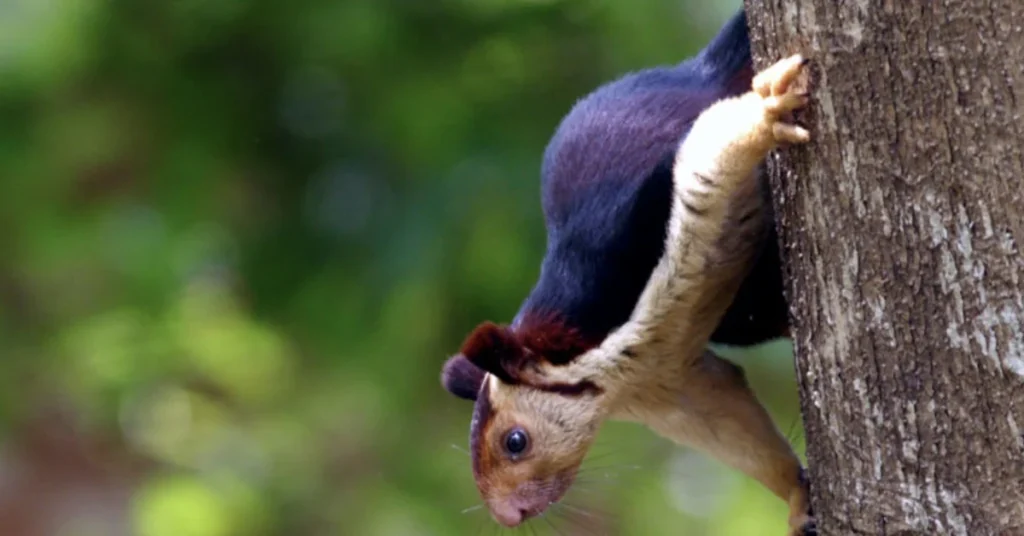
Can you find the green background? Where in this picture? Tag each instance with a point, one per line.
(239, 238)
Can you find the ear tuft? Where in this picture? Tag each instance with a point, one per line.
(495, 349)
(462, 378)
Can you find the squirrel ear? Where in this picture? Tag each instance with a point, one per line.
(495, 349)
(462, 378)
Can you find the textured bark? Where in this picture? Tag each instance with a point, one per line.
(901, 226)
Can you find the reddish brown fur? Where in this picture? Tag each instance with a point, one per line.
(551, 338)
(497, 350)
(507, 352)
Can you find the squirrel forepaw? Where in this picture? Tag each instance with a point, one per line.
(775, 86)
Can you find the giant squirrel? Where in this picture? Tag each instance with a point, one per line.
(660, 238)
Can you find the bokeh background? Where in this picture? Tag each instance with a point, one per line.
(238, 238)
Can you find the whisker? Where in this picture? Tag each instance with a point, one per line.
(460, 449)
(589, 469)
(602, 485)
(480, 527)
(531, 528)
(473, 508)
(579, 511)
(598, 480)
(600, 456)
(795, 435)
(564, 526)
(582, 489)
(583, 522)
(591, 491)
(552, 525)
(605, 477)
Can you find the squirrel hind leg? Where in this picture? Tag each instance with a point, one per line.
(716, 412)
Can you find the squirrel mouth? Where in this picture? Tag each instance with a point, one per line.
(530, 500)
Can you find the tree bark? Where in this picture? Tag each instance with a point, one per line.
(901, 225)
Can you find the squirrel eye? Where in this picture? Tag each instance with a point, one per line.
(516, 441)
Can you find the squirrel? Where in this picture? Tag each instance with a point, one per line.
(660, 239)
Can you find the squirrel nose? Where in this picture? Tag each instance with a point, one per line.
(508, 515)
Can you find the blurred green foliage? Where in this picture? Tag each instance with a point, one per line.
(239, 238)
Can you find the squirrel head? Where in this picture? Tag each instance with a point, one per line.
(538, 404)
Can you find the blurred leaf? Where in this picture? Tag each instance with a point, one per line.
(249, 361)
(181, 506)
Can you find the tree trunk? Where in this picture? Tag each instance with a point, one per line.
(901, 225)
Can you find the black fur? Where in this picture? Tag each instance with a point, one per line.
(606, 187)
(462, 378)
